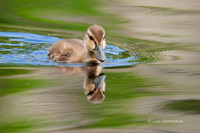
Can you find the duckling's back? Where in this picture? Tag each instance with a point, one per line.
(67, 50)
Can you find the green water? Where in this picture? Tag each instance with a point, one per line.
(39, 98)
(120, 88)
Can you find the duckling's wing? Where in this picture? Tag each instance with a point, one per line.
(78, 71)
(68, 50)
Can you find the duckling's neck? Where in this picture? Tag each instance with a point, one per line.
(93, 71)
(89, 56)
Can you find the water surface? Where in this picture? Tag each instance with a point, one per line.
(32, 49)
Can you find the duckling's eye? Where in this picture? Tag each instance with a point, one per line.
(91, 38)
(104, 37)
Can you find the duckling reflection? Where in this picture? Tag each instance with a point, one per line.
(94, 82)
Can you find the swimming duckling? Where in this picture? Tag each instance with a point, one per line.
(77, 51)
(94, 83)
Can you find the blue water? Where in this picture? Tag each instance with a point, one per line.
(32, 49)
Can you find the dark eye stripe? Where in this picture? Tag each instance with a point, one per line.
(91, 92)
(91, 38)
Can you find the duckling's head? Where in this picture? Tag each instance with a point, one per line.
(94, 88)
(95, 42)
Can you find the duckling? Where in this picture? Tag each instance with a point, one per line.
(77, 51)
(94, 88)
(94, 83)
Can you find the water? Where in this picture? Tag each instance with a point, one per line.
(32, 49)
(38, 95)
(67, 87)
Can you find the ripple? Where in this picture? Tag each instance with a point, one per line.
(32, 49)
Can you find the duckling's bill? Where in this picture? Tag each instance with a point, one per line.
(99, 53)
(99, 80)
